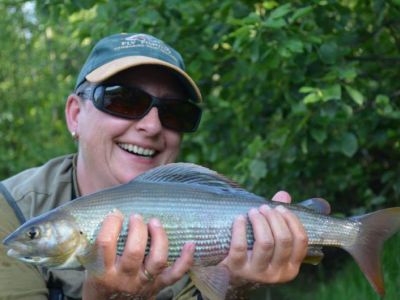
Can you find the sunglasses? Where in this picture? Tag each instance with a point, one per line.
(181, 115)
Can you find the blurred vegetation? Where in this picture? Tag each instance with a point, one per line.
(299, 95)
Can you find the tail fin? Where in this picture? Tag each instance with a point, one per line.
(375, 229)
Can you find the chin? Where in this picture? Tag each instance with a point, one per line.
(132, 175)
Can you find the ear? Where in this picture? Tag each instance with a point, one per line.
(72, 110)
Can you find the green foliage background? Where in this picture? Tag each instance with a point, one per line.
(299, 95)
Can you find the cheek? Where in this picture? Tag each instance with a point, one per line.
(97, 127)
(173, 141)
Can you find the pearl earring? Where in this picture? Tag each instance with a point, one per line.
(74, 135)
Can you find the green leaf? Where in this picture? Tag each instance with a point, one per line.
(275, 19)
(385, 108)
(258, 169)
(284, 52)
(274, 23)
(299, 108)
(311, 98)
(307, 89)
(348, 144)
(378, 200)
(304, 146)
(328, 52)
(250, 19)
(270, 4)
(279, 136)
(355, 95)
(347, 73)
(281, 11)
(302, 12)
(382, 100)
(319, 135)
(295, 46)
(150, 17)
(333, 92)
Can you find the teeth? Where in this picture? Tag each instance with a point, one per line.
(137, 150)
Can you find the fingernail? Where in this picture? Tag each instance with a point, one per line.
(240, 218)
(253, 211)
(116, 212)
(280, 195)
(281, 209)
(265, 207)
(155, 223)
(138, 217)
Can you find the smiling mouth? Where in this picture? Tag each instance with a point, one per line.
(137, 150)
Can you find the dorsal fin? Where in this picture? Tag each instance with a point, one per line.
(187, 173)
(318, 205)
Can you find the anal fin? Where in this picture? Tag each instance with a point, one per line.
(314, 255)
(212, 282)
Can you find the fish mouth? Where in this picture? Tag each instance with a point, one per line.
(13, 253)
(138, 150)
(16, 249)
(17, 254)
(26, 258)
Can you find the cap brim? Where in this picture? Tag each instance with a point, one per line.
(115, 66)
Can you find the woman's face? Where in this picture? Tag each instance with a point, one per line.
(113, 150)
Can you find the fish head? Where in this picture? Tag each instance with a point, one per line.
(51, 240)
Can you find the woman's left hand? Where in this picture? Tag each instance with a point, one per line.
(279, 248)
(132, 275)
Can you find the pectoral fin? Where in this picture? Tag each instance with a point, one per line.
(92, 260)
(212, 281)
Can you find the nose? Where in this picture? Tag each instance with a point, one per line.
(150, 123)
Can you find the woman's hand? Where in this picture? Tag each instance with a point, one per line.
(279, 248)
(133, 275)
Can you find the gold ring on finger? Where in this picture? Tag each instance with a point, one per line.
(149, 276)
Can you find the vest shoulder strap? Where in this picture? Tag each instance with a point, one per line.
(11, 201)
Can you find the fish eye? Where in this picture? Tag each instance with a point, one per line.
(33, 233)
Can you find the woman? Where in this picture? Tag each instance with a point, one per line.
(119, 139)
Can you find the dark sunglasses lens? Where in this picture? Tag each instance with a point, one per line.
(133, 103)
(179, 115)
(128, 103)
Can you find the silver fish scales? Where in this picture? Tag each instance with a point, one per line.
(204, 217)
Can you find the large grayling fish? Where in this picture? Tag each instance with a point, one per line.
(194, 204)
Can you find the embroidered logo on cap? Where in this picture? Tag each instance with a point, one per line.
(145, 41)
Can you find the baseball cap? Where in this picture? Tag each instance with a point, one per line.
(119, 52)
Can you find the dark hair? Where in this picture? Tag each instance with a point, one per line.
(84, 90)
